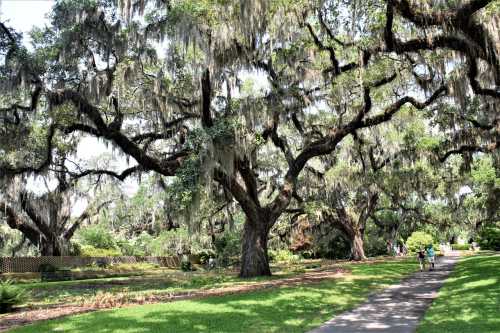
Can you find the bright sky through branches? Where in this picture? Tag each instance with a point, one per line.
(23, 16)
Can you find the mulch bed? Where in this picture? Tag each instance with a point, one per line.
(28, 316)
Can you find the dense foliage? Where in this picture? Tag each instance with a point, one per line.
(10, 296)
(328, 128)
(489, 238)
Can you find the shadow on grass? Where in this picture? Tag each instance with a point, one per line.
(280, 310)
(470, 299)
(71, 291)
(288, 309)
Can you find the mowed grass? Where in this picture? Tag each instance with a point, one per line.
(73, 292)
(469, 302)
(287, 309)
(157, 282)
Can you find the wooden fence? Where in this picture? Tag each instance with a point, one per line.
(32, 264)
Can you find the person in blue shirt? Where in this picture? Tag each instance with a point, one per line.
(431, 255)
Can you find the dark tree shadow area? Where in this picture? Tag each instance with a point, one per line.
(287, 309)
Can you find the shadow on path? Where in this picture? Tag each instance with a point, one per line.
(397, 309)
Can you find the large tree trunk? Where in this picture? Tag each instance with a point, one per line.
(254, 259)
(353, 233)
(50, 248)
(389, 246)
(357, 246)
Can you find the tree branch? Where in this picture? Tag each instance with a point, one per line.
(14, 221)
(468, 148)
(206, 91)
(166, 167)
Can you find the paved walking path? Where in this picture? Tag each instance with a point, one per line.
(397, 309)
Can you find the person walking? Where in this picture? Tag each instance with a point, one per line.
(421, 259)
(404, 250)
(431, 257)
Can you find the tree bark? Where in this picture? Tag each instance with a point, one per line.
(50, 248)
(357, 246)
(259, 220)
(352, 231)
(254, 259)
(389, 246)
(51, 241)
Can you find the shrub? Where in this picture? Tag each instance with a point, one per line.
(101, 263)
(98, 237)
(90, 251)
(307, 254)
(489, 238)
(118, 267)
(333, 246)
(186, 266)
(460, 247)
(171, 243)
(418, 240)
(284, 256)
(129, 248)
(375, 246)
(205, 256)
(10, 296)
(75, 249)
(226, 247)
(46, 268)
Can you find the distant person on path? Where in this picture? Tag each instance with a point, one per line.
(431, 256)
(421, 259)
(395, 250)
(443, 248)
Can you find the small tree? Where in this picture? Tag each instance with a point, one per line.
(418, 240)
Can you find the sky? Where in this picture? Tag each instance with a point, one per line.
(23, 15)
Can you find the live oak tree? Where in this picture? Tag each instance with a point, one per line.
(475, 140)
(403, 206)
(96, 71)
(44, 219)
(346, 189)
(470, 196)
(346, 195)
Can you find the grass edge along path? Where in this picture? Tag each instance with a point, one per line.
(469, 301)
(285, 309)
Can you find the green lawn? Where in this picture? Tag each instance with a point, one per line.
(157, 283)
(469, 302)
(290, 309)
(68, 292)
